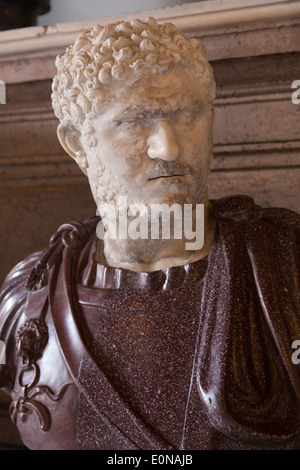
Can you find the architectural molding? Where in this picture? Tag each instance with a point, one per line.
(189, 17)
(222, 43)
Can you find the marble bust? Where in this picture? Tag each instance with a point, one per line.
(138, 342)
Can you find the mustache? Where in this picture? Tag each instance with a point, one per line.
(168, 169)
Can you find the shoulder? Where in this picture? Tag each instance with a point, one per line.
(13, 296)
(243, 207)
(14, 290)
(32, 274)
(274, 230)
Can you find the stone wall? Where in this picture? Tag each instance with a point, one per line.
(256, 130)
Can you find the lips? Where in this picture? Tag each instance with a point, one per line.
(164, 174)
(164, 177)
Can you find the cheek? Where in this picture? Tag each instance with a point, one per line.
(136, 155)
(124, 153)
(197, 150)
(129, 148)
(194, 143)
(202, 133)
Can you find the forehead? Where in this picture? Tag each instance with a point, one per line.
(174, 90)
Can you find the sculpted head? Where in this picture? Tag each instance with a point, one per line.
(134, 100)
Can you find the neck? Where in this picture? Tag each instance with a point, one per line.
(146, 255)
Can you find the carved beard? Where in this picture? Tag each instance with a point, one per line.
(106, 186)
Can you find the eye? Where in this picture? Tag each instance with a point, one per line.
(132, 123)
(186, 118)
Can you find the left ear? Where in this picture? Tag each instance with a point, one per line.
(70, 139)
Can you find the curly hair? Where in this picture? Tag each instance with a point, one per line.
(103, 55)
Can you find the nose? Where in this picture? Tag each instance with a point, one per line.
(163, 143)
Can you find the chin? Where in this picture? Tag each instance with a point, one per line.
(173, 198)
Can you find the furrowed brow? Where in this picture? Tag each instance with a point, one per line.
(153, 112)
(140, 114)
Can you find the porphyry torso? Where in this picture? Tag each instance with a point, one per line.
(191, 357)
